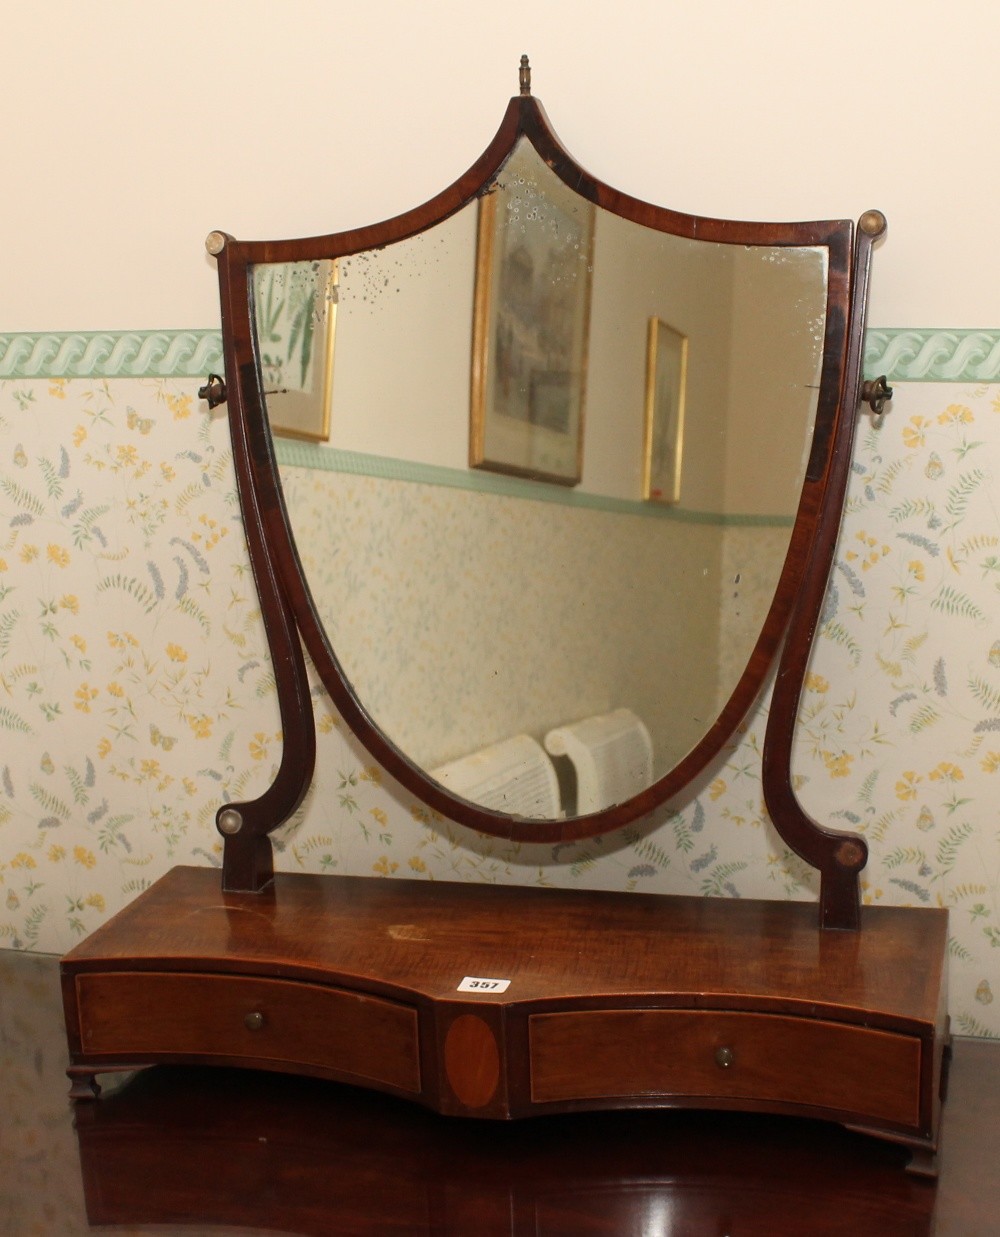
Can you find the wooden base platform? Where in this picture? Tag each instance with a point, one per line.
(501, 1002)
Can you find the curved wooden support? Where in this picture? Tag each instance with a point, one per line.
(839, 856)
(247, 856)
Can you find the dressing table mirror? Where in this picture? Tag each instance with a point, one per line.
(586, 466)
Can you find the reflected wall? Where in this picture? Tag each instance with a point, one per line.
(540, 612)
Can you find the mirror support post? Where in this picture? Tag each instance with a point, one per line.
(840, 857)
(247, 853)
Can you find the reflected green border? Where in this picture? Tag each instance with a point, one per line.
(295, 454)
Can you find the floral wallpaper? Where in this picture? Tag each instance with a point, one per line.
(131, 654)
(136, 695)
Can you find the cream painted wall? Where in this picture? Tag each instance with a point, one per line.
(287, 119)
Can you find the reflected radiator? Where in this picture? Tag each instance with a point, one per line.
(514, 776)
(612, 757)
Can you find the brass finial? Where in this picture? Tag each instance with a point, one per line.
(524, 76)
(873, 223)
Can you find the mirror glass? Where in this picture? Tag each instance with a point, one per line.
(565, 455)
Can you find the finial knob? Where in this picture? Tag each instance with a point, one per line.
(524, 76)
(873, 223)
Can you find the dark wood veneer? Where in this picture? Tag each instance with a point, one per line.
(605, 1054)
(204, 1147)
(360, 980)
(273, 1023)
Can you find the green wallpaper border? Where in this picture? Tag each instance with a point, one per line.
(110, 354)
(908, 354)
(905, 354)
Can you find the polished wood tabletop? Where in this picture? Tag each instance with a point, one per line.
(212, 1150)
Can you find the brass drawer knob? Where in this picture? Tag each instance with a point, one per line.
(254, 1021)
(724, 1057)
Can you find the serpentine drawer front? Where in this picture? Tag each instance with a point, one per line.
(133, 1014)
(671, 1004)
(606, 1054)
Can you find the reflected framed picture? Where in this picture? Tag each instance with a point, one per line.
(295, 305)
(531, 324)
(666, 388)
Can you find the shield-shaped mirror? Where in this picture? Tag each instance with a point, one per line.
(538, 472)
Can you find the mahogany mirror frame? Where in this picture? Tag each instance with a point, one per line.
(290, 615)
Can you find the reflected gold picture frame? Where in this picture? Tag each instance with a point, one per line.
(296, 307)
(666, 392)
(531, 325)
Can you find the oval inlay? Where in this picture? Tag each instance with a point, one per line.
(472, 1060)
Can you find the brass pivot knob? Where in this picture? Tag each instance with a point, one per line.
(213, 392)
(254, 1021)
(229, 821)
(876, 393)
(724, 1057)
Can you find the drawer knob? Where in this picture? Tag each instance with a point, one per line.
(724, 1057)
(254, 1021)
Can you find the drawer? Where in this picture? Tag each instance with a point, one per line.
(718, 1055)
(129, 1014)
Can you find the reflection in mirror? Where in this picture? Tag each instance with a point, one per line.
(468, 608)
(534, 273)
(296, 306)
